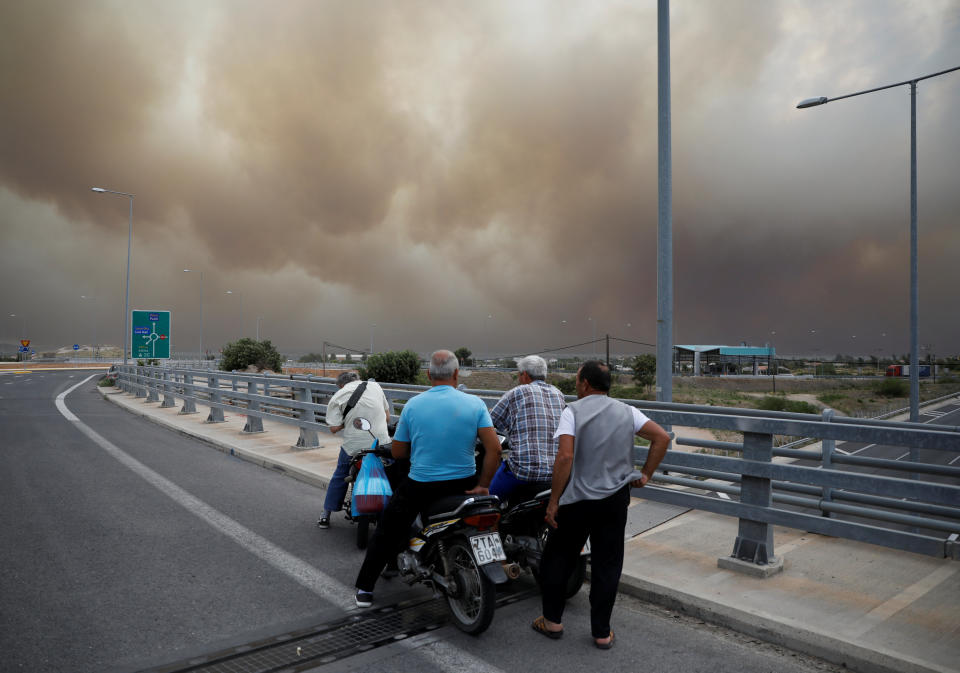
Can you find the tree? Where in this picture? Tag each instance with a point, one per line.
(644, 369)
(392, 367)
(244, 352)
(463, 355)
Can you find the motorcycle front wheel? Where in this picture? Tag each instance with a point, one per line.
(474, 600)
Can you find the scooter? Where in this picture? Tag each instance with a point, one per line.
(456, 550)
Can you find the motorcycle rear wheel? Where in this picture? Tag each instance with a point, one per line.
(363, 531)
(475, 599)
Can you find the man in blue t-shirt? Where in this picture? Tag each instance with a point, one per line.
(437, 431)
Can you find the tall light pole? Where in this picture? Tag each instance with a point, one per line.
(201, 308)
(664, 210)
(127, 337)
(372, 327)
(83, 296)
(240, 297)
(914, 272)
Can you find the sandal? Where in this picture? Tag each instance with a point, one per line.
(604, 646)
(540, 626)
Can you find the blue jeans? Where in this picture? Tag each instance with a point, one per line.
(337, 488)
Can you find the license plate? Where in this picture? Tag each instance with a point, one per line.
(487, 548)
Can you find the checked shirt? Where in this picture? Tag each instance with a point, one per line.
(529, 415)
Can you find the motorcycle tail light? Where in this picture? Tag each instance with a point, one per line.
(482, 521)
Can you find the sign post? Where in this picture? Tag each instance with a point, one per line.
(151, 334)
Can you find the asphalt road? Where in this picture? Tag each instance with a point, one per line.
(127, 546)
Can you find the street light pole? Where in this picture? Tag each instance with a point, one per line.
(372, 327)
(127, 337)
(83, 296)
(914, 242)
(201, 309)
(240, 297)
(664, 379)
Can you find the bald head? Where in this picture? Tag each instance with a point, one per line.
(443, 366)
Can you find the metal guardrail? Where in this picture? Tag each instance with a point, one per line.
(917, 509)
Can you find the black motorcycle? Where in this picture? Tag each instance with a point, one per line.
(458, 552)
(455, 549)
(524, 533)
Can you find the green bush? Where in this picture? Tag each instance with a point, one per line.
(771, 403)
(892, 388)
(244, 352)
(566, 384)
(392, 367)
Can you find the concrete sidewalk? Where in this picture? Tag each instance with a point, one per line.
(867, 607)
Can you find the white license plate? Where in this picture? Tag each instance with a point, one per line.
(487, 548)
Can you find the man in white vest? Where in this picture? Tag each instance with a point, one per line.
(590, 495)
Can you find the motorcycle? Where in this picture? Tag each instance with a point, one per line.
(524, 532)
(395, 471)
(455, 549)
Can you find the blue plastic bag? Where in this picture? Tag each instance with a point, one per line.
(371, 491)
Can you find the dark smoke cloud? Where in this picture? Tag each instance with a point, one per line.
(424, 166)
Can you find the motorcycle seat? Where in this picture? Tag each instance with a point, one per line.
(446, 506)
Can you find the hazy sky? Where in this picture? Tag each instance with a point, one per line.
(476, 173)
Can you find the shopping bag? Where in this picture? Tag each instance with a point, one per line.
(371, 491)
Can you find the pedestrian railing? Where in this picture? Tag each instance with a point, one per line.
(913, 504)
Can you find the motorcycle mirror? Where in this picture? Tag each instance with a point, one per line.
(361, 424)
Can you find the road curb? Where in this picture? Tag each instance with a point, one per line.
(771, 629)
(249, 456)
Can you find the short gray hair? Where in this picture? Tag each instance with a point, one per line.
(534, 365)
(443, 364)
(347, 377)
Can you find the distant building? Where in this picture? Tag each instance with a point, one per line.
(720, 360)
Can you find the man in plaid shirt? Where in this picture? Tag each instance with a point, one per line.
(528, 414)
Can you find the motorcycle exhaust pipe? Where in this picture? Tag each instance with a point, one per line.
(512, 570)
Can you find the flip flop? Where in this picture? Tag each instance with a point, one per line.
(605, 646)
(540, 626)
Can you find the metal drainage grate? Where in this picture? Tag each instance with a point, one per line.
(324, 644)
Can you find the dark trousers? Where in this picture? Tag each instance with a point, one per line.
(604, 521)
(393, 532)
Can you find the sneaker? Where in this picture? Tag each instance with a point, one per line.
(324, 522)
(364, 599)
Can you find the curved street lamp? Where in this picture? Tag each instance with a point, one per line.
(914, 274)
(127, 336)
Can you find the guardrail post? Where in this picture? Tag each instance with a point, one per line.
(308, 438)
(254, 423)
(826, 459)
(153, 386)
(753, 549)
(189, 404)
(216, 413)
(168, 399)
(141, 388)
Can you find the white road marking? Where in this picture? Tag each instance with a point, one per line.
(300, 571)
(448, 657)
(954, 460)
(903, 456)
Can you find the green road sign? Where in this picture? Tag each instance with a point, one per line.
(151, 334)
